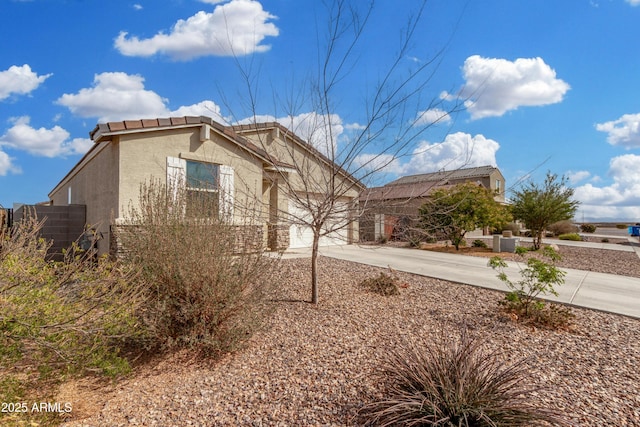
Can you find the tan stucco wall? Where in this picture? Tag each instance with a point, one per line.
(108, 179)
(312, 175)
(94, 184)
(144, 157)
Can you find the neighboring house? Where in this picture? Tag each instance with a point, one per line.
(250, 168)
(400, 200)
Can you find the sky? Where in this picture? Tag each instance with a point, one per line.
(542, 86)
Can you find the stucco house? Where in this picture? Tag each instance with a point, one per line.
(400, 199)
(257, 166)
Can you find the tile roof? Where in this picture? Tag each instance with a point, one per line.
(417, 186)
(234, 132)
(443, 176)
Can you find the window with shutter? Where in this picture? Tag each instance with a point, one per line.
(209, 188)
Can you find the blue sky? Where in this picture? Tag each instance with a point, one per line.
(549, 85)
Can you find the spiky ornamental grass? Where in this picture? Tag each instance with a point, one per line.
(455, 382)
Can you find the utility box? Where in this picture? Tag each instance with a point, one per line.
(634, 230)
(508, 244)
(496, 243)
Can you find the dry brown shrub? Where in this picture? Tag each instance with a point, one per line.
(206, 277)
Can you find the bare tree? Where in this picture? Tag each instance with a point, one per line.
(326, 183)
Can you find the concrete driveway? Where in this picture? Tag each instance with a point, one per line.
(606, 292)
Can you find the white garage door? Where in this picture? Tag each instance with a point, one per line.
(301, 236)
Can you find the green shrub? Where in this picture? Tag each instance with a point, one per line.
(621, 226)
(562, 227)
(588, 228)
(384, 285)
(455, 382)
(521, 250)
(479, 243)
(570, 236)
(207, 280)
(539, 278)
(59, 318)
(414, 238)
(71, 315)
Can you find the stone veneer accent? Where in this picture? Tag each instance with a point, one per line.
(248, 238)
(278, 236)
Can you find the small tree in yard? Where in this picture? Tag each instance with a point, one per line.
(539, 206)
(454, 211)
(389, 119)
(539, 278)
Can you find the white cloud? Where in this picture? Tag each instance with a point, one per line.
(624, 132)
(203, 108)
(321, 131)
(235, 28)
(575, 177)
(137, 6)
(633, 2)
(6, 164)
(42, 142)
(458, 150)
(120, 96)
(621, 199)
(386, 163)
(19, 80)
(354, 126)
(494, 86)
(115, 96)
(80, 145)
(432, 116)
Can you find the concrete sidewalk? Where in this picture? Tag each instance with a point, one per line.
(606, 292)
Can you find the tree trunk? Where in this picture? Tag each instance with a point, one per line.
(537, 240)
(314, 268)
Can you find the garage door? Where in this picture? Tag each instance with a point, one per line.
(301, 236)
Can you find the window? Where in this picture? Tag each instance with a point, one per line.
(498, 183)
(202, 188)
(209, 187)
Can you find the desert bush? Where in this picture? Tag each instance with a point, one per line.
(588, 228)
(479, 243)
(455, 382)
(383, 239)
(206, 278)
(562, 227)
(539, 278)
(71, 315)
(604, 240)
(384, 284)
(59, 318)
(570, 236)
(621, 226)
(521, 250)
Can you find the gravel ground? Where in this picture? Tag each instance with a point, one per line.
(315, 365)
(600, 260)
(597, 260)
